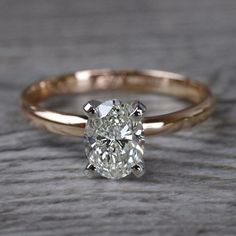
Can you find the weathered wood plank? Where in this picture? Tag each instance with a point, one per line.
(190, 185)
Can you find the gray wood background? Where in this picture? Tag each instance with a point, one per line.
(190, 184)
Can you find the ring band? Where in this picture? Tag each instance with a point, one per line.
(150, 81)
(145, 81)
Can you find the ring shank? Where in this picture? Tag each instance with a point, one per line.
(143, 81)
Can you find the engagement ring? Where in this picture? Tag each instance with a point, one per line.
(115, 130)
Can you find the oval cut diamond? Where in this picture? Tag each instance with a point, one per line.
(115, 139)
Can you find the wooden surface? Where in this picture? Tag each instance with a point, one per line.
(190, 184)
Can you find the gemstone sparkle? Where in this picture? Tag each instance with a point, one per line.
(114, 139)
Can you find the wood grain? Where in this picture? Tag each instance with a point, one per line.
(190, 185)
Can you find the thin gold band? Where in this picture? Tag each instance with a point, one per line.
(128, 80)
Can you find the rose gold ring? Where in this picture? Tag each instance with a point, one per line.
(125, 122)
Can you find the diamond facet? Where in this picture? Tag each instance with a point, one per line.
(114, 139)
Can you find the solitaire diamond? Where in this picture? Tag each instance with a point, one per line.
(114, 138)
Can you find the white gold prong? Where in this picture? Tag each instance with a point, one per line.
(139, 108)
(90, 107)
(138, 169)
(90, 170)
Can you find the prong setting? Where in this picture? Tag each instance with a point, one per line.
(90, 170)
(139, 109)
(138, 170)
(90, 107)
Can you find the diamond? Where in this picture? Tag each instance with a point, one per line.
(114, 137)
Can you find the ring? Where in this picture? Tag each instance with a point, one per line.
(115, 130)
